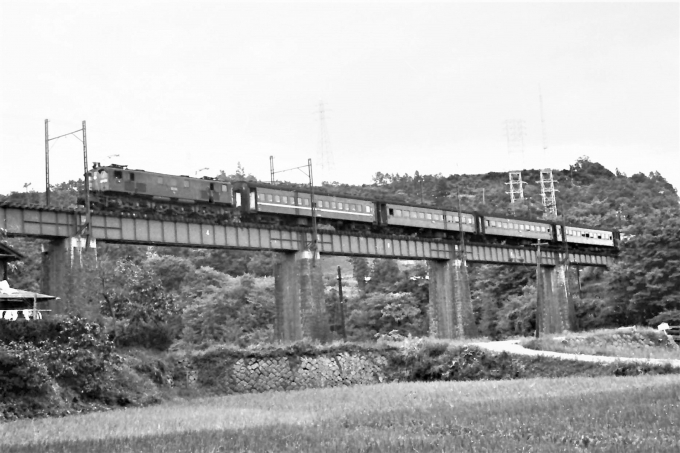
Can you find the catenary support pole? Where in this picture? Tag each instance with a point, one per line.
(47, 163)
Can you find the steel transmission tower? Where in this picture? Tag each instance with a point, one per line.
(324, 153)
(548, 192)
(515, 131)
(516, 186)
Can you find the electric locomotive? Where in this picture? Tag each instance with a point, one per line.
(117, 188)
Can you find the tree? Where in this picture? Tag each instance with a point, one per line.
(142, 310)
(384, 275)
(172, 271)
(383, 313)
(224, 309)
(361, 271)
(645, 281)
(517, 316)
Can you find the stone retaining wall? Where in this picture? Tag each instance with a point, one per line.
(261, 374)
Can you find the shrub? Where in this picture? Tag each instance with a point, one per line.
(23, 371)
(147, 335)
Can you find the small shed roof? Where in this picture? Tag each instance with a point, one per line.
(7, 253)
(8, 294)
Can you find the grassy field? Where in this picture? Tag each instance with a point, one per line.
(542, 415)
(643, 343)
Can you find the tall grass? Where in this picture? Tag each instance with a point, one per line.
(568, 414)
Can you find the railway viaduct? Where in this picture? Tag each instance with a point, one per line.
(299, 284)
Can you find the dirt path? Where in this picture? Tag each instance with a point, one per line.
(513, 347)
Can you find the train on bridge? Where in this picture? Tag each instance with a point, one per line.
(117, 189)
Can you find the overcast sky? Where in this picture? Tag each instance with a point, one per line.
(175, 87)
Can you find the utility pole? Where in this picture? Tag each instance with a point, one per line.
(313, 244)
(460, 227)
(47, 163)
(271, 169)
(564, 234)
(88, 214)
(539, 288)
(313, 248)
(342, 306)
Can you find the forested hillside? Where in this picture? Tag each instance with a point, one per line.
(155, 296)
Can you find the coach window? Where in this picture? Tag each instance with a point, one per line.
(397, 213)
(131, 176)
(224, 187)
(505, 225)
(340, 206)
(305, 201)
(470, 220)
(368, 209)
(260, 197)
(353, 207)
(270, 197)
(118, 174)
(186, 183)
(333, 205)
(428, 216)
(421, 215)
(284, 200)
(414, 214)
(277, 198)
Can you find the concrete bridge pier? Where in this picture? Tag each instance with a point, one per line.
(555, 311)
(300, 301)
(66, 266)
(450, 309)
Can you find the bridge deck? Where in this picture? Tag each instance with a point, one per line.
(35, 221)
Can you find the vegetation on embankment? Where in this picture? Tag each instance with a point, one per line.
(71, 366)
(548, 415)
(645, 343)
